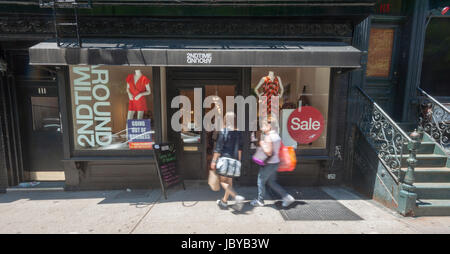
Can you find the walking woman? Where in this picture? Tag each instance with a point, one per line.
(228, 145)
(270, 144)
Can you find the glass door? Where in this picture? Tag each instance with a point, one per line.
(41, 129)
(189, 142)
(195, 147)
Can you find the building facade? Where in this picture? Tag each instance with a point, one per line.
(67, 110)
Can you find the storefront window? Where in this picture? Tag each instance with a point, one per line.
(112, 107)
(294, 86)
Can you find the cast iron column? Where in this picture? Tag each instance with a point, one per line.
(3, 171)
(408, 196)
(415, 58)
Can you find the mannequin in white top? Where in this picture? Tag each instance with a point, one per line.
(137, 75)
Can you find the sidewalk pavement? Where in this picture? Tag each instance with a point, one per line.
(189, 211)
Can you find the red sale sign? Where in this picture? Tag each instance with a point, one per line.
(305, 125)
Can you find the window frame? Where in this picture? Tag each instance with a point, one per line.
(87, 155)
(314, 153)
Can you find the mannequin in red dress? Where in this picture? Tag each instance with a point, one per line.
(271, 86)
(138, 86)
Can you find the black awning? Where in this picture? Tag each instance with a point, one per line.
(231, 53)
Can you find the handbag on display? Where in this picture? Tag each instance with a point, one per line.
(288, 159)
(229, 167)
(213, 181)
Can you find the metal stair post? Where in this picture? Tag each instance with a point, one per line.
(408, 196)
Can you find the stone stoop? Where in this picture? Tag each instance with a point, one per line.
(432, 180)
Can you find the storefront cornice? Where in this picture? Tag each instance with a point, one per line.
(352, 10)
(202, 53)
(214, 2)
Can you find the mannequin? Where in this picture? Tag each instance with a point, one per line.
(138, 86)
(272, 86)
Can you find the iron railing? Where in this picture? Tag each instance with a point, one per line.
(388, 139)
(434, 118)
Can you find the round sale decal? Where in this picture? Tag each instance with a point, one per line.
(305, 126)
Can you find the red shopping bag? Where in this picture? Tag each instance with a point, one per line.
(288, 159)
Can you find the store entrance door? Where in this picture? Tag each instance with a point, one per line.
(41, 132)
(195, 147)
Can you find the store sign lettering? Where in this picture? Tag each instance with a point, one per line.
(305, 125)
(199, 58)
(92, 114)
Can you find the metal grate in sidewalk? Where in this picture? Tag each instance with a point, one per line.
(316, 205)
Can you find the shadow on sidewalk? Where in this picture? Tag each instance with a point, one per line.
(145, 197)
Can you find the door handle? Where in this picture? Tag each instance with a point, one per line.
(60, 124)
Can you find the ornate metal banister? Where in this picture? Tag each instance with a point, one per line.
(434, 118)
(390, 141)
(382, 132)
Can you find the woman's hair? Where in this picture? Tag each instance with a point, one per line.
(273, 122)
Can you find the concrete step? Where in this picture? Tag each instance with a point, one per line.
(431, 175)
(424, 148)
(433, 190)
(433, 207)
(427, 160)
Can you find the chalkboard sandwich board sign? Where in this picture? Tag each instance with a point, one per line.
(166, 162)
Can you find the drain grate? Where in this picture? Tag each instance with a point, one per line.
(317, 205)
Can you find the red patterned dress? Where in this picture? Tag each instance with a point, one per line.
(270, 88)
(135, 89)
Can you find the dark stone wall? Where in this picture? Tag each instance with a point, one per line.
(41, 26)
(3, 171)
(338, 111)
(100, 175)
(370, 177)
(3, 156)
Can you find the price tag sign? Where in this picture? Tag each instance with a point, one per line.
(305, 126)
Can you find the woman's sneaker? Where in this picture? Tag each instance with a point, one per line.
(257, 203)
(239, 199)
(222, 205)
(287, 201)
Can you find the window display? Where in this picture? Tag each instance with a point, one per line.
(138, 86)
(271, 86)
(108, 115)
(295, 87)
